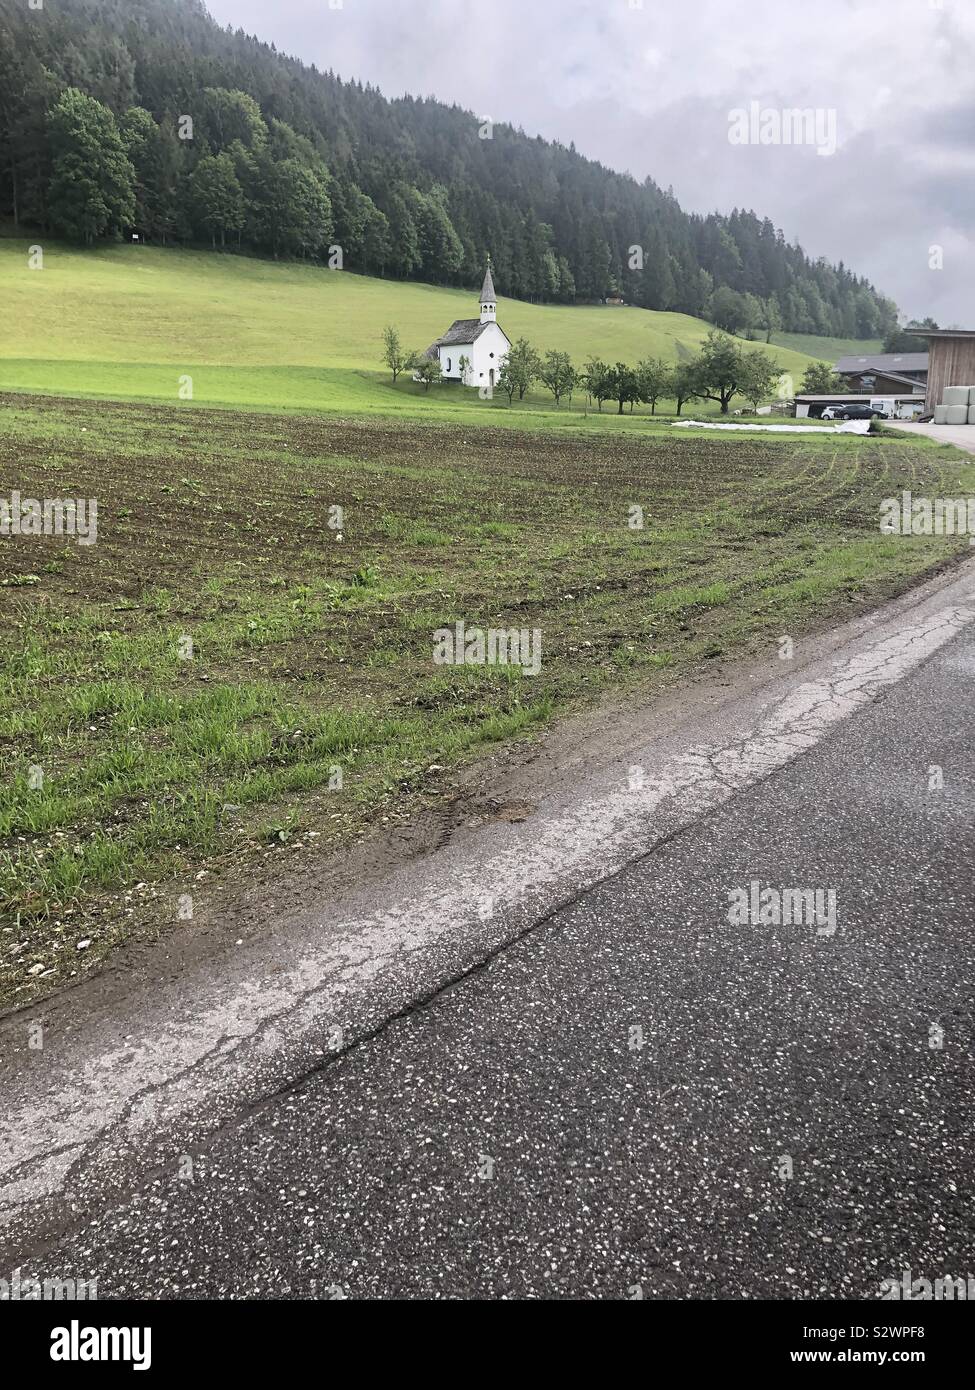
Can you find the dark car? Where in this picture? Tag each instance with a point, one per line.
(859, 412)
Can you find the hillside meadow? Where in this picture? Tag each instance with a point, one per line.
(127, 322)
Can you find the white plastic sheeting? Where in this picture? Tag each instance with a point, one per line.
(841, 427)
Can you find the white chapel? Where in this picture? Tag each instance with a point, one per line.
(472, 350)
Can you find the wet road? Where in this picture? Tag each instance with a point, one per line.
(638, 1096)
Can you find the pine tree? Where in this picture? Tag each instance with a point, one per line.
(557, 225)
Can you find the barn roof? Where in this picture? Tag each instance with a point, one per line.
(861, 397)
(941, 332)
(885, 361)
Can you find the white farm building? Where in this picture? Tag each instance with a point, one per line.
(472, 350)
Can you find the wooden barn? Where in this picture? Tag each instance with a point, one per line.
(951, 361)
(885, 373)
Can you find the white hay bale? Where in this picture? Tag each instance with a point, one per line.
(956, 395)
(940, 414)
(956, 415)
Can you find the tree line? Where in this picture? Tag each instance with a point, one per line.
(120, 116)
(720, 371)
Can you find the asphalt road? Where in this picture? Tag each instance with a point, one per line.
(962, 436)
(636, 1097)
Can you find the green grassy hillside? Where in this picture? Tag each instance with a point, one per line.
(829, 349)
(127, 321)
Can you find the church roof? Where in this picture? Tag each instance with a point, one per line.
(487, 289)
(461, 333)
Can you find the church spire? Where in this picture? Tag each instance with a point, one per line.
(489, 300)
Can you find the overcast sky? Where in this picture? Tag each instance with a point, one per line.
(648, 87)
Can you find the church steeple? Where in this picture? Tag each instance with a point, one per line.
(489, 301)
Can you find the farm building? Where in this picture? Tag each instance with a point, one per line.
(895, 405)
(472, 350)
(951, 354)
(885, 373)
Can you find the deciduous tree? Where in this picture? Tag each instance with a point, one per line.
(558, 375)
(820, 380)
(626, 386)
(684, 384)
(394, 354)
(719, 369)
(216, 197)
(523, 366)
(758, 376)
(600, 379)
(92, 190)
(654, 381)
(425, 369)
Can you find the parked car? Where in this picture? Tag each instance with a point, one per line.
(859, 412)
(874, 410)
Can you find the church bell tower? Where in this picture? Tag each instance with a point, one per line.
(489, 301)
